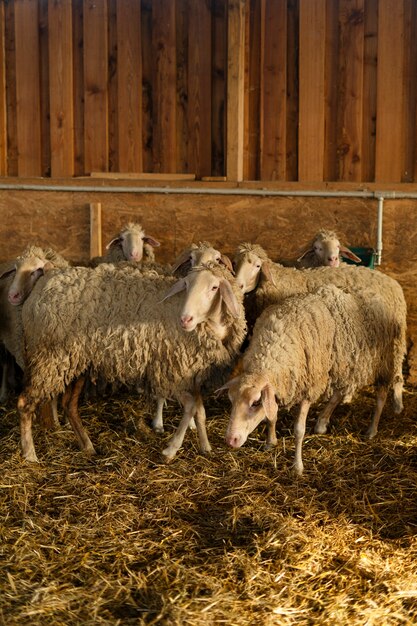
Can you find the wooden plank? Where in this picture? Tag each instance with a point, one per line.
(369, 90)
(3, 104)
(96, 137)
(95, 229)
(164, 86)
(147, 91)
(351, 68)
(218, 95)
(78, 86)
(199, 88)
(44, 89)
(12, 169)
(129, 62)
(274, 91)
(143, 175)
(181, 120)
(312, 90)
(113, 90)
(61, 87)
(410, 90)
(28, 106)
(292, 89)
(235, 88)
(332, 79)
(390, 90)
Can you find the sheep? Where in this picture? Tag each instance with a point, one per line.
(79, 320)
(131, 244)
(266, 283)
(198, 254)
(325, 249)
(325, 344)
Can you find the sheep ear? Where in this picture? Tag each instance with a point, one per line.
(229, 298)
(227, 262)
(308, 251)
(176, 288)
(7, 272)
(349, 254)
(266, 271)
(225, 387)
(183, 258)
(48, 267)
(113, 242)
(269, 403)
(151, 241)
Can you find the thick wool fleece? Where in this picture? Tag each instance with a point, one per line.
(112, 321)
(48, 254)
(317, 343)
(373, 285)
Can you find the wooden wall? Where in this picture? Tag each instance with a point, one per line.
(285, 90)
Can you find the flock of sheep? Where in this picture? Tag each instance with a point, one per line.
(269, 334)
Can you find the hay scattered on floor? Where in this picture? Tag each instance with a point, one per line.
(231, 539)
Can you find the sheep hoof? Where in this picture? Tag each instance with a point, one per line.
(297, 470)
(269, 446)
(31, 457)
(320, 429)
(90, 451)
(206, 452)
(168, 455)
(370, 434)
(159, 430)
(192, 425)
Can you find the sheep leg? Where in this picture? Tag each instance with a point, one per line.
(200, 418)
(189, 409)
(26, 410)
(271, 435)
(325, 415)
(54, 407)
(299, 432)
(3, 390)
(158, 420)
(381, 396)
(398, 396)
(75, 420)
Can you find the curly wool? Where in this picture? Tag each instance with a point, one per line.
(111, 321)
(317, 343)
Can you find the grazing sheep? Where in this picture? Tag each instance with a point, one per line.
(79, 320)
(128, 245)
(326, 344)
(325, 250)
(266, 283)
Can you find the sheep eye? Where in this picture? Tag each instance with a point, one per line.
(256, 403)
(258, 265)
(215, 288)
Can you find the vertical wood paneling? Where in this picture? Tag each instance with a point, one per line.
(147, 99)
(292, 89)
(390, 86)
(11, 91)
(252, 91)
(235, 88)
(96, 133)
(199, 88)
(61, 87)
(274, 90)
(332, 150)
(113, 91)
(351, 69)
(129, 62)
(164, 86)
(218, 94)
(369, 90)
(410, 90)
(3, 106)
(78, 87)
(44, 89)
(182, 38)
(28, 106)
(312, 90)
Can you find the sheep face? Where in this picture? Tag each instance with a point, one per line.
(247, 269)
(28, 271)
(327, 251)
(252, 399)
(131, 240)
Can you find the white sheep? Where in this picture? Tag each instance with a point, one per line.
(79, 320)
(128, 245)
(326, 250)
(266, 283)
(199, 254)
(327, 344)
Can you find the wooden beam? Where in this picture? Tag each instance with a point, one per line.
(95, 229)
(312, 90)
(61, 87)
(3, 105)
(390, 91)
(235, 89)
(28, 106)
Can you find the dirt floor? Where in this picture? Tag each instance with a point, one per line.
(231, 539)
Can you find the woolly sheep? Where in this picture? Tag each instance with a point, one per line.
(325, 249)
(128, 245)
(326, 344)
(199, 254)
(266, 283)
(79, 320)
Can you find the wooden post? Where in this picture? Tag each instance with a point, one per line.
(235, 89)
(95, 229)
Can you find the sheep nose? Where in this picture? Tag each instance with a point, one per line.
(14, 297)
(186, 320)
(134, 256)
(233, 441)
